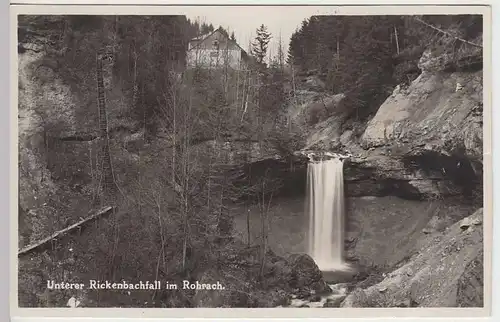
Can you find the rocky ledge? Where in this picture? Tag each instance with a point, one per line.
(424, 141)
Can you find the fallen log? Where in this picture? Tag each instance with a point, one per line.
(79, 137)
(42, 244)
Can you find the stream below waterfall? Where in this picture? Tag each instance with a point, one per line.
(333, 299)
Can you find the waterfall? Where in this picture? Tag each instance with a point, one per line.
(325, 193)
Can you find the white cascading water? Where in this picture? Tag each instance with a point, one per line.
(325, 185)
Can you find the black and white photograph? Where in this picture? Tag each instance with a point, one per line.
(252, 157)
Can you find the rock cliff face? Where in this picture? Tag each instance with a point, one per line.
(422, 150)
(445, 272)
(424, 141)
(57, 127)
(414, 173)
(439, 111)
(471, 282)
(382, 232)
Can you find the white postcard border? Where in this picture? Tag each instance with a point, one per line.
(256, 313)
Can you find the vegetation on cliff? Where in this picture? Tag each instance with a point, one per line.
(366, 57)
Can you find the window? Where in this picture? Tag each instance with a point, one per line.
(216, 44)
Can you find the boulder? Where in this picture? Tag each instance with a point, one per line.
(239, 270)
(334, 302)
(305, 274)
(469, 221)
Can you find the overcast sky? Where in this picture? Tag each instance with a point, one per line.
(245, 20)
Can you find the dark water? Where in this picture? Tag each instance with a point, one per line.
(340, 276)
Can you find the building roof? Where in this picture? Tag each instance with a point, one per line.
(201, 37)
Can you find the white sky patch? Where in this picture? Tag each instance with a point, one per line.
(244, 21)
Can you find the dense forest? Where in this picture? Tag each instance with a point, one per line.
(175, 190)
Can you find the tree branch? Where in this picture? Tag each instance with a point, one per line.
(447, 33)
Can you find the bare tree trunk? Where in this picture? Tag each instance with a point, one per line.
(184, 243)
(185, 172)
(266, 241)
(338, 49)
(107, 168)
(248, 227)
(160, 224)
(289, 116)
(185, 209)
(263, 218)
(237, 86)
(262, 234)
(185, 212)
(246, 97)
(209, 182)
(174, 143)
(396, 36)
(243, 92)
(264, 210)
(46, 139)
(226, 68)
(221, 221)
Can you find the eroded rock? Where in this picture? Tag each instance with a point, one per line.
(471, 283)
(424, 142)
(445, 273)
(470, 221)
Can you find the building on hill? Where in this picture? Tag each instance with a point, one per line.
(216, 50)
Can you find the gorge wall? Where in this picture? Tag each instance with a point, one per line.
(425, 140)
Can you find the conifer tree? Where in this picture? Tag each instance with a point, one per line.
(261, 43)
